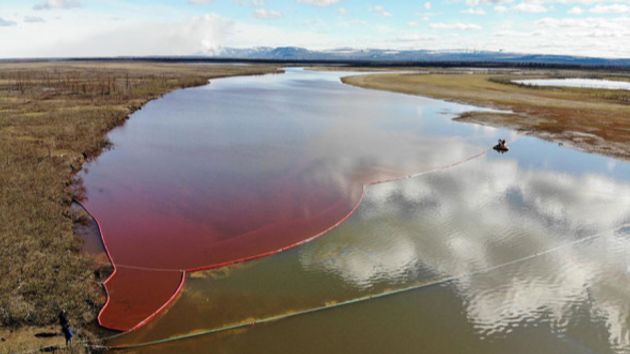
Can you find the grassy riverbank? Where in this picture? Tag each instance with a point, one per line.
(53, 117)
(590, 119)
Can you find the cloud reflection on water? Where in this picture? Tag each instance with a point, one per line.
(485, 213)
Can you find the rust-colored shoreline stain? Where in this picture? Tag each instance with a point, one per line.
(242, 169)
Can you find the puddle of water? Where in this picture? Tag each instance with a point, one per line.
(585, 83)
(235, 139)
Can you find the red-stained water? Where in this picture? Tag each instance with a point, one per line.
(244, 168)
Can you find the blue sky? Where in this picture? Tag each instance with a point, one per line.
(181, 27)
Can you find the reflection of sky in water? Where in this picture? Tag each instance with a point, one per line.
(589, 83)
(454, 222)
(529, 154)
(487, 212)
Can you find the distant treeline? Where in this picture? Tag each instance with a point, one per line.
(350, 63)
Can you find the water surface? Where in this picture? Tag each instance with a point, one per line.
(538, 249)
(533, 243)
(246, 167)
(584, 83)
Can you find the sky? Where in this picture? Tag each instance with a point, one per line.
(85, 28)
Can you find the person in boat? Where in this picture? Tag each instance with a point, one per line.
(501, 146)
(65, 327)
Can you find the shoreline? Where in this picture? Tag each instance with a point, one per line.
(568, 116)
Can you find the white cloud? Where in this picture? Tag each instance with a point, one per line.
(204, 34)
(33, 19)
(611, 9)
(318, 2)
(57, 4)
(474, 11)
(266, 14)
(6, 23)
(199, 2)
(576, 10)
(455, 26)
(581, 2)
(500, 9)
(380, 9)
(482, 2)
(255, 3)
(602, 35)
(595, 36)
(618, 25)
(428, 5)
(531, 7)
(362, 268)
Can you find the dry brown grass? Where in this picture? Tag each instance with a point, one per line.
(54, 116)
(591, 119)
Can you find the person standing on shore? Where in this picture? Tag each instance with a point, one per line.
(65, 327)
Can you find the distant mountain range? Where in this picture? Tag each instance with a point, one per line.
(409, 56)
(373, 57)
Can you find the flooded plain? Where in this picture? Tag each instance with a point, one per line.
(522, 252)
(584, 83)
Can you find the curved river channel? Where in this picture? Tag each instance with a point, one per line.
(257, 197)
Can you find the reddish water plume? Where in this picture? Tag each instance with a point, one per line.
(242, 169)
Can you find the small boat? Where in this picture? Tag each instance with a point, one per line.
(501, 147)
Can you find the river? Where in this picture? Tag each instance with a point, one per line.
(367, 194)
